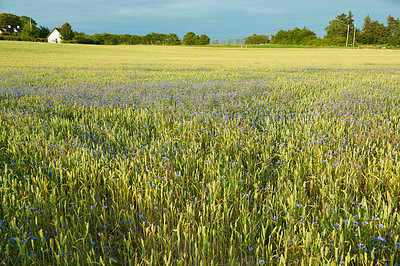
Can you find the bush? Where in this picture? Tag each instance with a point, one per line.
(84, 40)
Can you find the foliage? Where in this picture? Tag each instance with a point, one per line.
(377, 33)
(373, 32)
(25, 20)
(7, 19)
(257, 39)
(173, 39)
(204, 40)
(339, 28)
(156, 156)
(43, 31)
(30, 31)
(296, 36)
(66, 32)
(150, 39)
(190, 38)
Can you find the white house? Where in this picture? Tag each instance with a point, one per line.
(54, 35)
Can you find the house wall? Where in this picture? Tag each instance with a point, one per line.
(55, 37)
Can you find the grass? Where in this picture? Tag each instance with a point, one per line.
(176, 155)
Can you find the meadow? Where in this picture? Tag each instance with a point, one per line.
(157, 155)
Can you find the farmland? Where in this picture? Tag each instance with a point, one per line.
(186, 155)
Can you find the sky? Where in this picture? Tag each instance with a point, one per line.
(219, 19)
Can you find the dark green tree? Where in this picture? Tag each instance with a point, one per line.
(296, 36)
(393, 26)
(393, 29)
(43, 31)
(256, 39)
(25, 19)
(338, 27)
(66, 32)
(367, 26)
(30, 31)
(190, 38)
(173, 39)
(373, 32)
(204, 40)
(7, 19)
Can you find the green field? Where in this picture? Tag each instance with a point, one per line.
(158, 155)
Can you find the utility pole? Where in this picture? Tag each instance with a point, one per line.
(347, 39)
(354, 37)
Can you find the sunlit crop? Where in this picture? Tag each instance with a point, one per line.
(175, 155)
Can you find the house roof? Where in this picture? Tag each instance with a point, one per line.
(10, 29)
(55, 29)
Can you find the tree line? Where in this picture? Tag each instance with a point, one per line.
(339, 32)
(31, 32)
(342, 31)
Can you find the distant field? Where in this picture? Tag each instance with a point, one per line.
(126, 155)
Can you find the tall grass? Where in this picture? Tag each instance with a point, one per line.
(174, 155)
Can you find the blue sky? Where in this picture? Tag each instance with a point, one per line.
(219, 19)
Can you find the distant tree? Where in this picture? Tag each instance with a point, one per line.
(123, 39)
(7, 19)
(373, 32)
(393, 26)
(25, 19)
(66, 32)
(111, 39)
(30, 31)
(155, 38)
(190, 38)
(43, 31)
(256, 39)
(296, 36)
(136, 39)
(339, 26)
(204, 40)
(336, 28)
(393, 29)
(173, 39)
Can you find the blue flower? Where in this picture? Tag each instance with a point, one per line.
(381, 239)
(361, 245)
